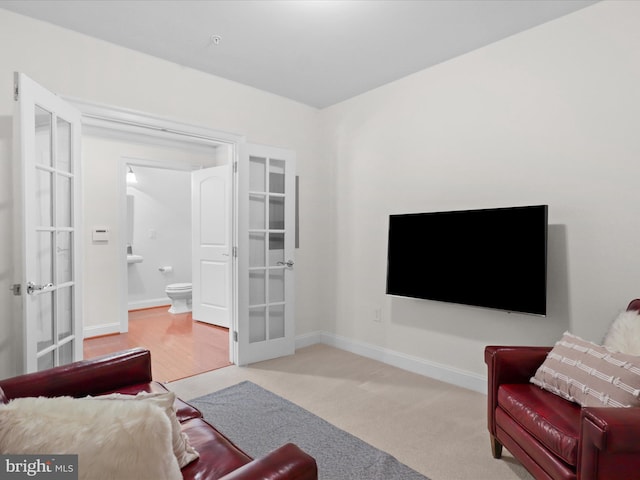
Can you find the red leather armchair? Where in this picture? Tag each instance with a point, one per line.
(129, 372)
(552, 437)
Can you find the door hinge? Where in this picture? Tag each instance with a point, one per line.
(16, 91)
(235, 336)
(234, 252)
(16, 288)
(235, 167)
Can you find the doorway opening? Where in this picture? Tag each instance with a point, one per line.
(154, 243)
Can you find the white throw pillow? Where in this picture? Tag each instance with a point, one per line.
(116, 440)
(624, 334)
(183, 451)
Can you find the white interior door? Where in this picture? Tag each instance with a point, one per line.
(211, 245)
(47, 152)
(266, 243)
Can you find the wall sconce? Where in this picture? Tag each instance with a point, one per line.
(131, 177)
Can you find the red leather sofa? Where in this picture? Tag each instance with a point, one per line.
(552, 437)
(129, 372)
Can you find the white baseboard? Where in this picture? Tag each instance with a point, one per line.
(110, 328)
(308, 339)
(154, 302)
(438, 371)
(98, 330)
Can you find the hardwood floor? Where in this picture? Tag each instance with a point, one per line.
(180, 347)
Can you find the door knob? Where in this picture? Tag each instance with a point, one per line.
(32, 288)
(288, 263)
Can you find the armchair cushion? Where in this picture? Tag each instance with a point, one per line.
(590, 374)
(548, 418)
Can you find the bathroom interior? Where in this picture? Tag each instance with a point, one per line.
(158, 270)
(159, 227)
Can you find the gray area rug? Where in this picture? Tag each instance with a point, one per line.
(260, 421)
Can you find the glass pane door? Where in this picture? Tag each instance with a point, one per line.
(266, 253)
(266, 242)
(53, 289)
(48, 130)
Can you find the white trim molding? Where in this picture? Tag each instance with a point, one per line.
(427, 368)
(99, 330)
(112, 118)
(150, 303)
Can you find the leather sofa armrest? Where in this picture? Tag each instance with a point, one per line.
(509, 365)
(285, 463)
(86, 377)
(513, 364)
(609, 446)
(614, 430)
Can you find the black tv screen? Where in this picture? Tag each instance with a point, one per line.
(494, 258)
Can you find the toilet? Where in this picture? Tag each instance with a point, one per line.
(180, 295)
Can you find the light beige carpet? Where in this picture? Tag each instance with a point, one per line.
(435, 428)
(239, 412)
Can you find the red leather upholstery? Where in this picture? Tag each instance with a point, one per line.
(550, 421)
(129, 372)
(87, 377)
(218, 456)
(271, 466)
(552, 437)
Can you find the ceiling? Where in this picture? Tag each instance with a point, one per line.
(317, 52)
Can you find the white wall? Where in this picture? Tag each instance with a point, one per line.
(548, 116)
(79, 66)
(161, 234)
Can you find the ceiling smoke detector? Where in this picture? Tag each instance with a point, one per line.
(216, 39)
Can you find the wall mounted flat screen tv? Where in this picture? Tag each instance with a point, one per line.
(494, 258)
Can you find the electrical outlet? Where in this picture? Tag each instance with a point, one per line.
(377, 315)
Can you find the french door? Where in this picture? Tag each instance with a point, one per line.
(266, 246)
(47, 161)
(47, 135)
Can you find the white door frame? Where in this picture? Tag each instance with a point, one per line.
(99, 117)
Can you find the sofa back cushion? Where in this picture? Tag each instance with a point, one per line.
(590, 374)
(94, 376)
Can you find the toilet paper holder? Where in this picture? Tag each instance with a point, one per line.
(166, 269)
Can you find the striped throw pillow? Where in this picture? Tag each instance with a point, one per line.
(590, 374)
